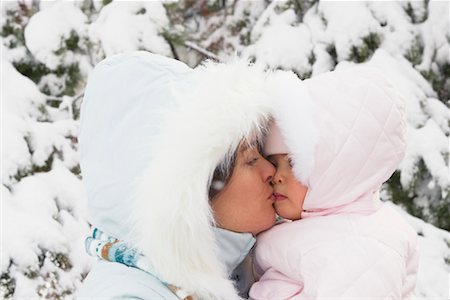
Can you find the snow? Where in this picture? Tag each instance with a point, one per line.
(434, 248)
(439, 113)
(49, 137)
(341, 19)
(44, 212)
(324, 61)
(430, 144)
(291, 51)
(435, 32)
(281, 43)
(398, 33)
(264, 19)
(48, 29)
(15, 155)
(35, 221)
(53, 84)
(426, 128)
(18, 107)
(230, 29)
(127, 26)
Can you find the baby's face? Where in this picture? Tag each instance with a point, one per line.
(289, 193)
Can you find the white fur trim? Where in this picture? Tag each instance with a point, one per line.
(296, 117)
(173, 217)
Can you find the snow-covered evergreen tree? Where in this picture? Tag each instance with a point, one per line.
(49, 48)
(43, 205)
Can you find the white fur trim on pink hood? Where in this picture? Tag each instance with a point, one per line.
(345, 132)
(296, 118)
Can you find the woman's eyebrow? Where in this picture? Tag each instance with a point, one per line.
(246, 147)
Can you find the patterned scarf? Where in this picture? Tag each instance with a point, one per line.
(108, 248)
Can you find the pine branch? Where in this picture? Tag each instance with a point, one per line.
(203, 51)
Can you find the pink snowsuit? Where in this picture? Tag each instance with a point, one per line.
(348, 244)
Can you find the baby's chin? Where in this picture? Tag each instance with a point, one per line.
(286, 212)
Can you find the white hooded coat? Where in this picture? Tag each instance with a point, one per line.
(152, 132)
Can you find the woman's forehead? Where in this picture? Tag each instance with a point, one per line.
(249, 145)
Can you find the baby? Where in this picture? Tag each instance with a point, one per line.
(334, 143)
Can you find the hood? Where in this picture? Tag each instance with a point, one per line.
(152, 132)
(346, 135)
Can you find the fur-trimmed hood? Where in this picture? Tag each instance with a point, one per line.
(346, 136)
(152, 132)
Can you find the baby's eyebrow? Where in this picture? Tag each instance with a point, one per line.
(270, 158)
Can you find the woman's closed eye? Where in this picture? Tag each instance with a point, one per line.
(252, 161)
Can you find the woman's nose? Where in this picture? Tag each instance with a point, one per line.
(269, 171)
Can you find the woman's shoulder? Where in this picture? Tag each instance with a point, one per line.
(109, 280)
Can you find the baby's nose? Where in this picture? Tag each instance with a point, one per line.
(276, 179)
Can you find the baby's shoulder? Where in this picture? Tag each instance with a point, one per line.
(307, 233)
(389, 227)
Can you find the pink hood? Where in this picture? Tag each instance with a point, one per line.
(346, 135)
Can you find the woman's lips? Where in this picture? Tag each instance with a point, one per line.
(279, 197)
(272, 197)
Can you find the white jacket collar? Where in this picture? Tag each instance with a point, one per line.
(233, 247)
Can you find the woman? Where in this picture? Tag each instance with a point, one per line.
(154, 134)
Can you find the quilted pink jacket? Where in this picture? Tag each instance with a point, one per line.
(348, 244)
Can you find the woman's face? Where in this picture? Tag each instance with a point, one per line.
(245, 204)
